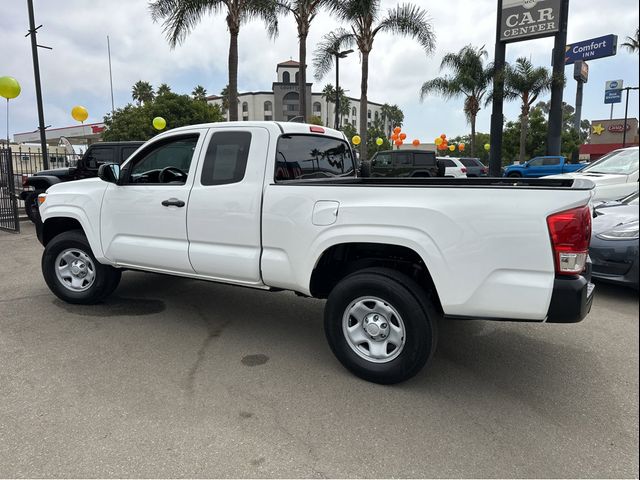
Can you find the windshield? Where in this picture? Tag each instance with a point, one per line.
(621, 162)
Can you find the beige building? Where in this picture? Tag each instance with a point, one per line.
(282, 102)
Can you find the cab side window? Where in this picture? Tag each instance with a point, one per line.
(99, 155)
(226, 158)
(551, 161)
(166, 162)
(536, 162)
(382, 160)
(402, 159)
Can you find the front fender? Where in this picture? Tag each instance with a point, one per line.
(41, 182)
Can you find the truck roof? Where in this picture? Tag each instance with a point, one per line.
(284, 127)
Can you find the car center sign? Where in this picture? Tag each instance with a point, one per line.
(524, 19)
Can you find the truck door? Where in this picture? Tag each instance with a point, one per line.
(534, 168)
(144, 218)
(224, 212)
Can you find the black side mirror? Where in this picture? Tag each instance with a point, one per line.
(109, 172)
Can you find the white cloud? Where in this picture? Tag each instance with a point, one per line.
(76, 70)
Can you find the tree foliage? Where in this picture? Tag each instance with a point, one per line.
(134, 122)
(142, 92)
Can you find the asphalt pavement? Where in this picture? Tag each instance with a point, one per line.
(180, 378)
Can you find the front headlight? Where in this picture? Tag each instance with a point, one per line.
(627, 231)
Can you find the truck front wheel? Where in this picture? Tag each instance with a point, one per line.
(72, 272)
(514, 175)
(381, 325)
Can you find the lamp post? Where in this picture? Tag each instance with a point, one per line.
(339, 55)
(626, 113)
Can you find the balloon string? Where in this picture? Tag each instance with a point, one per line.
(8, 123)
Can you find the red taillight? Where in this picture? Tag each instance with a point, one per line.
(570, 233)
(24, 181)
(316, 129)
(463, 170)
(484, 170)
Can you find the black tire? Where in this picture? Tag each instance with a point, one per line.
(413, 305)
(31, 207)
(514, 175)
(106, 278)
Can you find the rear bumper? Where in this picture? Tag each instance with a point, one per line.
(571, 299)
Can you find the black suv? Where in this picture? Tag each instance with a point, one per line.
(403, 163)
(87, 167)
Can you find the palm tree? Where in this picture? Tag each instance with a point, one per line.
(199, 93)
(366, 22)
(632, 43)
(163, 89)
(470, 78)
(303, 11)
(225, 99)
(386, 113)
(328, 93)
(525, 82)
(179, 17)
(142, 92)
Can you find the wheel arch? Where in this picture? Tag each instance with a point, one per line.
(55, 224)
(342, 259)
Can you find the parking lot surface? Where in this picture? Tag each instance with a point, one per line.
(180, 378)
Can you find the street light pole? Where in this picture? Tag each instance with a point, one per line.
(339, 55)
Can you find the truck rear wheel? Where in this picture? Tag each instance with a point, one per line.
(381, 325)
(514, 175)
(31, 207)
(72, 272)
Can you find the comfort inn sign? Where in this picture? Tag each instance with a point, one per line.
(524, 19)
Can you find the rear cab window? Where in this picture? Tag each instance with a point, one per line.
(424, 159)
(304, 157)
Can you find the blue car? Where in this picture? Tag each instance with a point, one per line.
(542, 166)
(614, 242)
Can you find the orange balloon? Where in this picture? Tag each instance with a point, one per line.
(399, 142)
(397, 130)
(461, 147)
(416, 142)
(443, 136)
(394, 137)
(403, 136)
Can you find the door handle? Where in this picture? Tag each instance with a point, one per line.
(173, 202)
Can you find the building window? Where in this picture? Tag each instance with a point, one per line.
(297, 77)
(369, 114)
(286, 78)
(268, 118)
(268, 107)
(376, 115)
(245, 108)
(317, 108)
(354, 112)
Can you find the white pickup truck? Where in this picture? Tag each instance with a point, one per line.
(278, 206)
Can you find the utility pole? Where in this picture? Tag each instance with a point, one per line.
(495, 154)
(33, 30)
(110, 75)
(626, 113)
(554, 134)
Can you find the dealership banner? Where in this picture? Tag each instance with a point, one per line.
(524, 19)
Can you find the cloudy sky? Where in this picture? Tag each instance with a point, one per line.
(76, 70)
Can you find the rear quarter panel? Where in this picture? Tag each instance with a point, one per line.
(487, 249)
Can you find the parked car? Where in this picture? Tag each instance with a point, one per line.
(475, 168)
(542, 166)
(615, 175)
(391, 256)
(453, 167)
(87, 167)
(403, 163)
(614, 242)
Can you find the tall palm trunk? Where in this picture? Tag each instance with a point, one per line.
(524, 123)
(234, 30)
(303, 31)
(364, 82)
(472, 120)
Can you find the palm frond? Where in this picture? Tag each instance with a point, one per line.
(447, 87)
(411, 21)
(325, 52)
(179, 17)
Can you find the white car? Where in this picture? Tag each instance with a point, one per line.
(615, 175)
(278, 206)
(453, 167)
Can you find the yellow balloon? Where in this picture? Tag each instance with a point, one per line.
(356, 140)
(438, 141)
(79, 113)
(379, 141)
(159, 123)
(452, 148)
(487, 147)
(9, 88)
